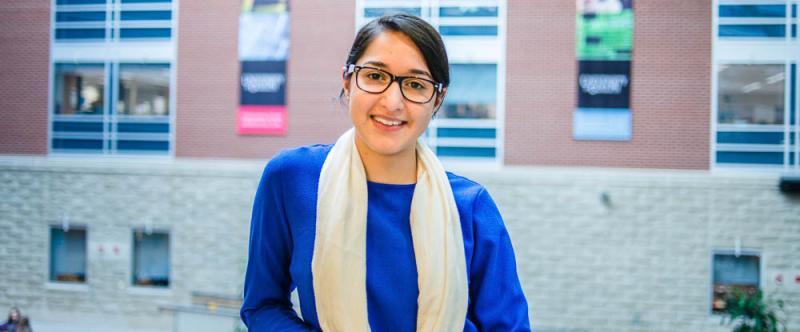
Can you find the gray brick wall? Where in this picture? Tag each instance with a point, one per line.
(644, 262)
(640, 263)
(204, 207)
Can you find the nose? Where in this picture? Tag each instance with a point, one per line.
(393, 98)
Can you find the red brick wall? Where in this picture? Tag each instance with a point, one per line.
(208, 76)
(669, 100)
(670, 88)
(24, 67)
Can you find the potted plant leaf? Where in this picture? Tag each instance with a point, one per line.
(752, 312)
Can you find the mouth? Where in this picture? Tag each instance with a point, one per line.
(387, 122)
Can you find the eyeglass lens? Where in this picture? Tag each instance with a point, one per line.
(376, 81)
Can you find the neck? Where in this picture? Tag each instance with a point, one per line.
(400, 168)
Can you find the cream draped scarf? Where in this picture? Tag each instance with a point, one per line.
(339, 264)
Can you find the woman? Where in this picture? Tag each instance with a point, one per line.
(13, 320)
(372, 231)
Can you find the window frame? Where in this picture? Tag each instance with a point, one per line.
(67, 285)
(731, 252)
(152, 289)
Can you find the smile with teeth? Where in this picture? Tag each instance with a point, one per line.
(387, 122)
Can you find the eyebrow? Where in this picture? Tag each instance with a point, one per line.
(413, 71)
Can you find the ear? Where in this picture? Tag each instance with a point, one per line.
(439, 100)
(346, 87)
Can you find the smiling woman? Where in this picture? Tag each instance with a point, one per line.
(372, 230)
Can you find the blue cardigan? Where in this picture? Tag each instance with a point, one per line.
(282, 245)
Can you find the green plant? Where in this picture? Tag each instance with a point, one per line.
(751, 312)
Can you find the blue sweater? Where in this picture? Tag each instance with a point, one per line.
(282, 245)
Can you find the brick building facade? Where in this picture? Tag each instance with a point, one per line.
(621, 236)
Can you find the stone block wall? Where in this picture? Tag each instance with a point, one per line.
(596, 249)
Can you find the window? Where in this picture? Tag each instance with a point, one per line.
(731, 273)
(755, 99)
(751, 94)
(150, 259)
(752, 21)
(143, 90)
(466, 127)
(109, 95)
(143, 122)
(67, 254)
(80, 89)
(376, 12)
(473, 92)
(84, 122)
(471, 97)
(78, 106)
(98, 20)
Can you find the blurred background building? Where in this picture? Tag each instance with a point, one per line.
(125, 187)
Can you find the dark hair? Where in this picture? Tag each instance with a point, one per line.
(19, 314)
(423, 35)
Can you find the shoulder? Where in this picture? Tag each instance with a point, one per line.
(475, 206)
(298, 160)
(468, 194)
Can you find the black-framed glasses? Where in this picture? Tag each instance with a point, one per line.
(375, 80)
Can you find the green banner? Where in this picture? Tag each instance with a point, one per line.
(604, 42)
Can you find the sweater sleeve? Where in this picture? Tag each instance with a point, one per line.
(267, 285)
(497, 300)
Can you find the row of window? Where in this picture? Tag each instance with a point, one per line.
(99, 20)
(461, 11)
(757, 20)
(111, 108)
(123, 106)
(150, 256)
(119, 102)
(756, 87)
(454, 21)
(151, 263)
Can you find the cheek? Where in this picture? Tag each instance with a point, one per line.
(424, 114)
(359, 105)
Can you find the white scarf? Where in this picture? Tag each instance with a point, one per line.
(339, 263)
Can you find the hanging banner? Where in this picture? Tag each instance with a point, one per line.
(263, 49)
(604, 43)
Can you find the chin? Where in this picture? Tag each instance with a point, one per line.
(387, 147)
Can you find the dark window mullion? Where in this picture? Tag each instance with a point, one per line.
(115, 84)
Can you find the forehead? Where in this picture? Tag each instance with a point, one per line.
(396, 51)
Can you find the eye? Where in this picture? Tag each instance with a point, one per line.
(374, 75)
(416, 85)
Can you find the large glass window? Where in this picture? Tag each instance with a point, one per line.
(751, 94)
(80, 89)
(67, 254)
(151, 263)
(733, 273)
(756, 89)
(143, 90)
(751, 115)
(86, 20)
(139, 122)
(106, 98)
(473, 92)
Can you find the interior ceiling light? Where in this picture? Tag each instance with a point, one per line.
(775, 78)
(752, 87)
